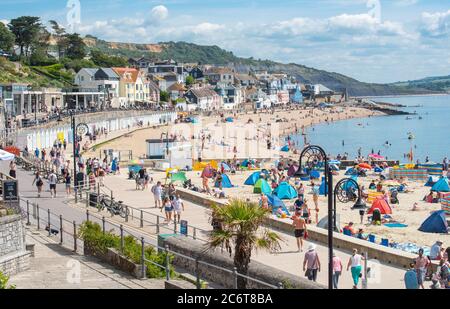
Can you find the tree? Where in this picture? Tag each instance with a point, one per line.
(164, 96)
(104, 60)
(190, 80)
(59, 35)
(75, 47)
(7, 38)
(239, 224)
(25, 29)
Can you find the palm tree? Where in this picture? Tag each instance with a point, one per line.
(239, 224)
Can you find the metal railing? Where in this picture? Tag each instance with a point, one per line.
(67, 232)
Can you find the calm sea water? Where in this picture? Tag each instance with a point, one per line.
(432, 132)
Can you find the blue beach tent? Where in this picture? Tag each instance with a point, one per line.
(323, 188)
(285, 148)
(285, 191)
(431, 181)
(225, 166)
(350, 185)
(351, 171)
(276, 203)
(261, 186)
(314, 174)
(245, 163)
(252, 179)
(229, 119)
(435, 223)
(441, 185)
(378, 170)
(226, 182)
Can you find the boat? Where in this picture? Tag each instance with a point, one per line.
(408, 118)
(411, 136)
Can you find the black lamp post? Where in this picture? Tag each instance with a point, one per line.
(317, 154)
(342, 191)
(75, 129)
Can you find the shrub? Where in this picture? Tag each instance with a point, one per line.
(4, 283)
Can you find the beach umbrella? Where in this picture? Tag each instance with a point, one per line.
(6, 156)
(376, 156)
(365, 166)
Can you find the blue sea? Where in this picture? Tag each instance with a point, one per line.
(432, 132)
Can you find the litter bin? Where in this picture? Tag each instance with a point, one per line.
(93, 199)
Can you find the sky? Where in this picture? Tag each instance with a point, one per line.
(370, 40)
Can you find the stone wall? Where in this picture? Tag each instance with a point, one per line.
(13, 256)
(259, 271)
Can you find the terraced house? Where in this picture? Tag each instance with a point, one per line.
(135, 88)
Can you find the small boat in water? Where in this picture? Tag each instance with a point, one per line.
(411, 136)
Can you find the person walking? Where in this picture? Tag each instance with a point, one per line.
(355, 263)
(67, 181)
(299, 225)
(168, 209)
(178, 208)
(421, 266)
(316, 192)
(12, 169)
(337, 270)
(157, 194)
(39, 183)
(53, 180)
(311, 263)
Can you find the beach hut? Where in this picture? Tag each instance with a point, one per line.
(292, 170)
(285, 191)
(435, 223)
(226, 182)
(285, 148)
(252, 179)
(432, 181)
(441, 185)
(276, 203)
(381, 205)
(261, 186)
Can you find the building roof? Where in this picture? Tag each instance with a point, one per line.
(129, 75)
(90, 71)
(177, 87)
(217, 70)
(244, 77)
(110, 72)
(203, 92)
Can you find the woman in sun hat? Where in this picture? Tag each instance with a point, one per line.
(311, 263)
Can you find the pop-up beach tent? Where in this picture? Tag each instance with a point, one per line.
(252, 179)
(226, 182)
(351, 171)
(314, 174)
(261, 186)
(285, 191)
(285, 148)
(435, 223)
(323, 188)
(180, 176)
(276, 203)
(432, 181)
(229, 119)
(441, 185)
(380, 204)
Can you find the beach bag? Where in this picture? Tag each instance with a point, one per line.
(306, 235)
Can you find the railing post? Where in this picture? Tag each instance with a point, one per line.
(76, 194)
(142, 219)
(61, 229)
(365, 279)
(87, 200)
(112, 195)
(121, 238)
(34, 210)
(49, 224)
(126, 213)
(87, 215)
(103, 225)
(175, 226)
(194, 234)
(166, 249)
(142, 258)
(157, 225)
(74, 236)
(235, 278)
(197, 275)
(28, 213)
(98, 189)
(38, 219)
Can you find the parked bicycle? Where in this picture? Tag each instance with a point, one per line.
(115, 208)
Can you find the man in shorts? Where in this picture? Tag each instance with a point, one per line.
(53, 180)
(299, 225)
(178, 207)
(421, 266)
(157, 194)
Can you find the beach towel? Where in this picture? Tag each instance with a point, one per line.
(393, 225)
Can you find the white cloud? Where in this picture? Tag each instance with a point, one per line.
(4, 21)
(436, 24)
(159, 13)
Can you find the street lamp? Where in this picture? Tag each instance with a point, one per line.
(315, 155)
(77, 129)
(343, 191)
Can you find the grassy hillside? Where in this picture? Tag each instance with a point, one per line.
(15, 73)
(188, 52)
(441, 83)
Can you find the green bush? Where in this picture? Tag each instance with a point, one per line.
(4, 283)
(98, 242)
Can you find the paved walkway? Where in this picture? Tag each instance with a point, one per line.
(386, 276)
(55, 267)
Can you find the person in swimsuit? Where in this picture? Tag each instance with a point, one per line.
(299, 225)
